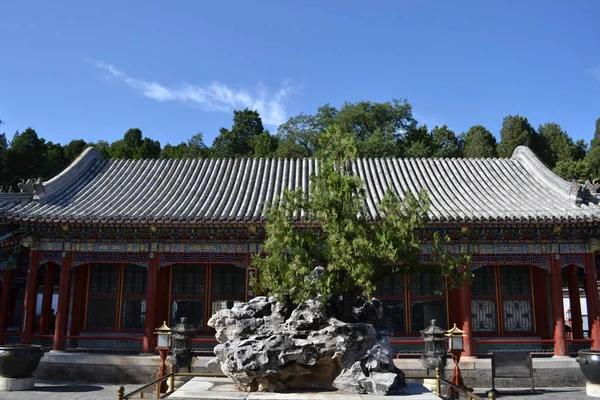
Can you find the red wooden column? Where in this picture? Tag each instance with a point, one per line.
(64, 294)
(576, 320)
(151, 304)
(46, 316)
(467, 319)
(164, 283)
(79, 289)
(591, 293)
(558, 312)
(5, 304)
(30, 297)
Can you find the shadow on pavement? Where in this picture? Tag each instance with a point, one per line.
(67, 388)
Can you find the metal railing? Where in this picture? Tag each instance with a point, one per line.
(157, 383)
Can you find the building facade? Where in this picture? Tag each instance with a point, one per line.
(112, 248)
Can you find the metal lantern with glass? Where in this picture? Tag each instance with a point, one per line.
(163, 335)
(455, 347)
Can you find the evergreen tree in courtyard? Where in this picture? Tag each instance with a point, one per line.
(355, 253)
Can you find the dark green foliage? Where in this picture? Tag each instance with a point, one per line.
(517, 131)
(593, 157)
(134, 146)
(579, 170)
(194, 148)
(237, 142)
(26, 155)
(560, 146)
(355, 253)
(385, 129)
(74, 149)
(417, 142)
(446, 143)
(479, 143)
(298, 137)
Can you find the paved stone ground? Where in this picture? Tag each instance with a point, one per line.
(70, 391)
(98, 391)
(542, 394)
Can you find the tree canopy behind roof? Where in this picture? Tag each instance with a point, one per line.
(355, 253)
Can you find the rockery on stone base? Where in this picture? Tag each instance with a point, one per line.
(272, 346)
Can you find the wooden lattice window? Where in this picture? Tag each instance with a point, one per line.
(427, 300)
(188, 294)
(133, 308)
(103, 296)
(391, 293)
(517, 310)
(228, 285)
(483, 299)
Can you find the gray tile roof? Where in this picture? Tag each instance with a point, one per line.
(227, 190)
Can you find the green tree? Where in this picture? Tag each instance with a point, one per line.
(593, 156)
(4, 178)
(133, 145)
(25, 155)
(517, 131)
(355, 253)
(194, 148)
(417, 142)
(479, 143)
(264, 145)
(74, 149)
(298, 137)
(236, 142)
(445, 143)
(388, 122)
(103, 146)
(54, 159)
(560, 144)
(579, 170)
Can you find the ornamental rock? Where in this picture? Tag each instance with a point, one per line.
(273, 346)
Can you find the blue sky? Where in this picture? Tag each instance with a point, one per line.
(91, 70)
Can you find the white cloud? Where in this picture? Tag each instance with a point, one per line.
(215, 96)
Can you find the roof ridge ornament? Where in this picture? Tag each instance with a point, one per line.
(34, 186)
(576, 192)
(593, 187)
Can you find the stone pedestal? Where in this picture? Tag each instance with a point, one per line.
(14, 384)
(592, 389)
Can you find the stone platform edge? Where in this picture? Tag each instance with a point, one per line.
(109, 368)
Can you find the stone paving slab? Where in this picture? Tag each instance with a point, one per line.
(69, 391)
(540, 394)
(205, 388)
(98, 391)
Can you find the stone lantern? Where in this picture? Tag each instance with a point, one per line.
(435, 353)
(181, 345)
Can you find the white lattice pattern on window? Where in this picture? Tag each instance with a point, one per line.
(517, 316)
(484, 315)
